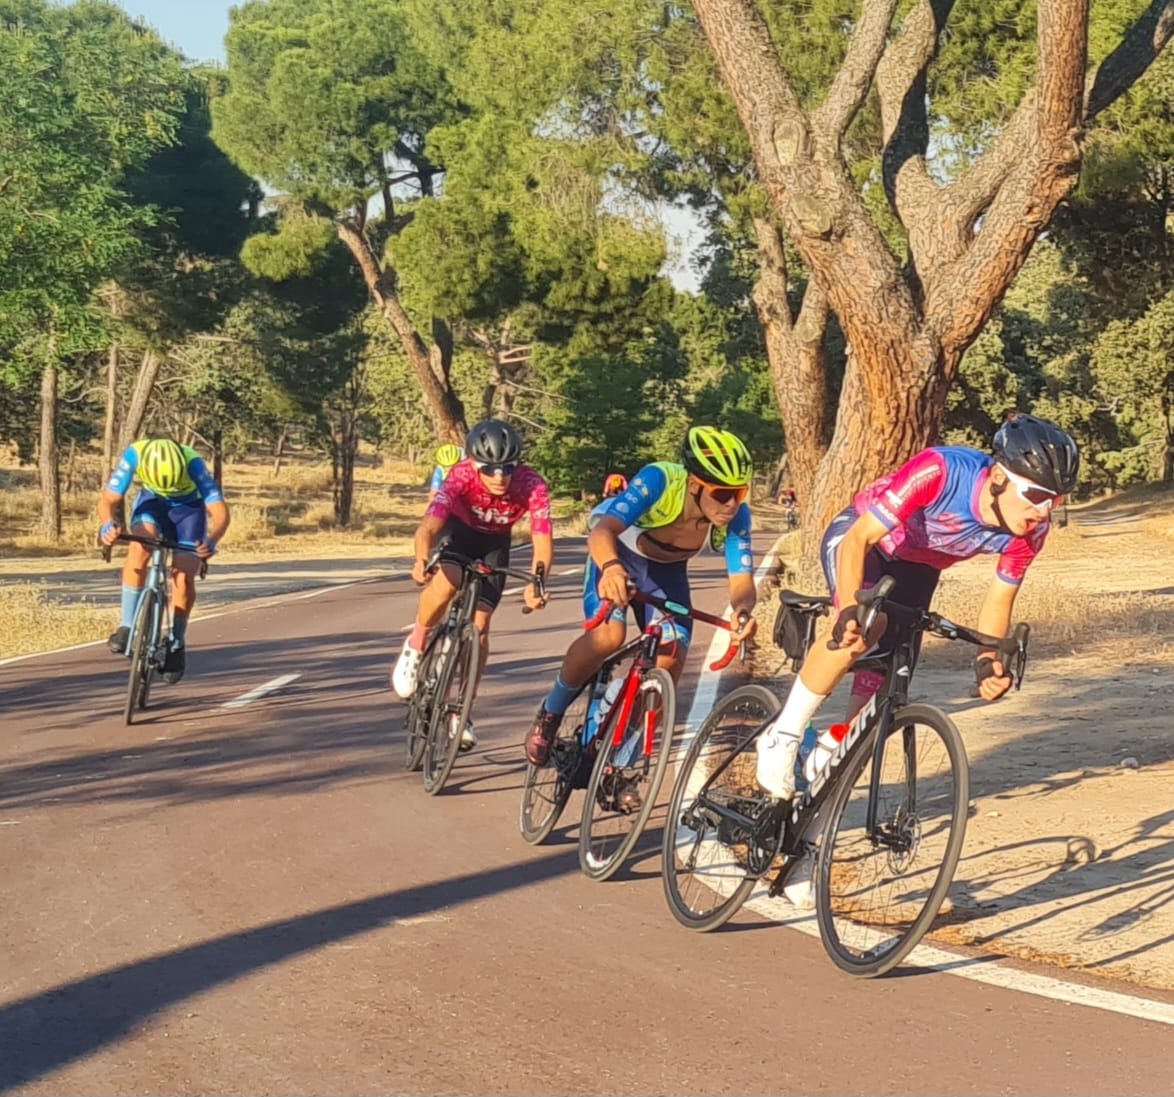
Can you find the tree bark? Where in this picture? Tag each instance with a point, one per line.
(111, 409)
(50, 479)
(907, 320)
(445, 407)
(132, 422)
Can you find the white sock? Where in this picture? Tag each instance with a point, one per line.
(778, 746)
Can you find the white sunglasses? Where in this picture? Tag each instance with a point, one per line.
(1030, 492)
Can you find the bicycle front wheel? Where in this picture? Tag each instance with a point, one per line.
(146, 630)
(894, 832)
(417, 720)
(456, 679)
(707, 877)
(546, 789)
(627, 777)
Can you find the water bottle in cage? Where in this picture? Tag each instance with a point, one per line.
(827, 745)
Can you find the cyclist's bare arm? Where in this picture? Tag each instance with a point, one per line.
(218, 519)
(743, 598)
(994, 618)
(110, 515)
(603, 546)
(427, 533)
(543, 547)
(862, 534)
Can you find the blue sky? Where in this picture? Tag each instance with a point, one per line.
(196, 26)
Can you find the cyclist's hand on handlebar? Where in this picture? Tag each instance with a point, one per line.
(846, 634)
(419, 574)
(742, 628)
(205, 549)
(992, 676)
(531, 597)
(110, 533)
(614, 584)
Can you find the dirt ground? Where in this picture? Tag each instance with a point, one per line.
(1069, 855)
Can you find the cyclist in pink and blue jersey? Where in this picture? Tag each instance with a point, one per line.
(181, 502)
(945, 504)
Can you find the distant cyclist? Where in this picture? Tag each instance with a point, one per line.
(614, 484)
(945, 504)
(476, 508)
(789, 501)
(179, 502)
(644, 539)
(447, 457)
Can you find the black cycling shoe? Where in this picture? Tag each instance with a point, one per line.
(174, 665)
(116, 641)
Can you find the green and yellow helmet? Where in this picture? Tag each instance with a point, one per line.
(716, 456)
(162, 465)
(448, 455)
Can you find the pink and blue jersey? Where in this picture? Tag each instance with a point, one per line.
(930, 506)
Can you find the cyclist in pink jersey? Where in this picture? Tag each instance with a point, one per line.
(945, 504)
(475, 510)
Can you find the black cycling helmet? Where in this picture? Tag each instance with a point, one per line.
(1039, 451)
(492, 441)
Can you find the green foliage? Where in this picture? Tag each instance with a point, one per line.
(86, 98)
(293, 250)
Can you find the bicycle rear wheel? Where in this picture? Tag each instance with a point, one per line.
(456, 679)
(416, 722)
(146, 630)
(705, 870)
(546, 789)
(878, 889)
(625, 781)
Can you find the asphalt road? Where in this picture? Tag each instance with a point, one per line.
(256, 898)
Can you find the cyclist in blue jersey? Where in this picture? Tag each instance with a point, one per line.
(643, 538)
(447, 456)
(945, 504)
(180, 502)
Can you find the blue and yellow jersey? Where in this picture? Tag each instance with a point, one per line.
(655, 497)
(196, 485)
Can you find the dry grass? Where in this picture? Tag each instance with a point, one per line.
(31, 622)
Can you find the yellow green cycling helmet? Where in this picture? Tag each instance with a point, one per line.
(162, 464)
(448, 455)
(716, 456)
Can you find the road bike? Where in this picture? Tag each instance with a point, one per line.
(150, 633)
(439, 708)
(891, 801)
(614, 741)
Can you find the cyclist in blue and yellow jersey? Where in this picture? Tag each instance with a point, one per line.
(180, 502)
(447, 456)
(643, 538)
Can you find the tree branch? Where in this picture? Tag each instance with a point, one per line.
(833, 116)
(901, 89)
(1139, 46)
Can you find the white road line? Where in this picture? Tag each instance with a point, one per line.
(267, 687)
(979, 970)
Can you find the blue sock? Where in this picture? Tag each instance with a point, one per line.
(179, 628)
(130, 602)
(560, 697)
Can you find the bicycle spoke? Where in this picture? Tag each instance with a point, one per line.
(547, 788)
(627, 778)
(880, 887)
(706, 868)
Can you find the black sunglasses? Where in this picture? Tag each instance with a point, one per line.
(492, 468)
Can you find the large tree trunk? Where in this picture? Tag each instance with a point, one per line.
(907, 320)
(431, 367)
(50, 480)
(132, 422)
(111, 409)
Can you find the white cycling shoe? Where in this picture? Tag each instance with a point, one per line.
(798, 886)
(406, 671)
(775, 770)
